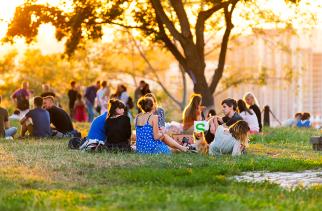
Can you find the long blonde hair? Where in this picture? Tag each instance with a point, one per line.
(250, 94)
(239, 131)
(190, 111)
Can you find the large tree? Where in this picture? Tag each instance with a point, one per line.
(178, 25)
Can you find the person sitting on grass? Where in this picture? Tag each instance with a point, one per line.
(36, 121)
(229, 107)
(117, 127)
(5, 130)
(305, 121)
(63, 126)
(149, 139)
(158, 111)
(292, 122)
(249, 116)
(230, 141)
(191, 113)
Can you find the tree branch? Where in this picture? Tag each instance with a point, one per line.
(200, 26)
(183, 18)
(224, 44)
(156, 4)
(154, 71)
(171, 47)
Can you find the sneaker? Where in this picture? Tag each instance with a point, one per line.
(9, 138)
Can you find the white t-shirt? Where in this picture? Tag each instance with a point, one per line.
(102, 99)
(251, 120)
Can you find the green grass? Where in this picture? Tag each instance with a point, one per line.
(45, 175)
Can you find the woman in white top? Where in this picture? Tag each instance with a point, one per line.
(248, 116)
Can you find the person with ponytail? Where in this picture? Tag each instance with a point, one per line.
(232, 141)
(149, 138)
(117, 127)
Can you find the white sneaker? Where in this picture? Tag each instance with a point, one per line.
(9, 138)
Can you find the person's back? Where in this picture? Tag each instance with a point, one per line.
(60, 119)
(40, 121)
(118, 132)
(3, 119)
(304, 123)
(145, 142)
(251, 119)
(97, 130)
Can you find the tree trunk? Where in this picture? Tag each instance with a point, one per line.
(201, 87)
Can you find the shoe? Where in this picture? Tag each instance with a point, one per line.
(192, 149)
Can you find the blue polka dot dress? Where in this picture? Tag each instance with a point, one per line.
(145, 143)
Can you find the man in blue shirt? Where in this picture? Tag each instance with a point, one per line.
(96, 130)
(90, 95)
(36, 121)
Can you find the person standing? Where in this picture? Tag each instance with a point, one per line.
(5, 129)
(103, 97)
(90, 95)
(72, 95)
(21, 97)
(138, 93)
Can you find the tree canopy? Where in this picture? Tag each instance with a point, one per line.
(178, 25)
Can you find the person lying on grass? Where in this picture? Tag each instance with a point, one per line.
(36, 121)
(117, 127)
(233, 140)
(149, 139)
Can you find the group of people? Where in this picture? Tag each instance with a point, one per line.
(300, 120)
(113, 126)
(82, 107)
(227, 134)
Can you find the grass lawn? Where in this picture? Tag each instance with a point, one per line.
(45, 175)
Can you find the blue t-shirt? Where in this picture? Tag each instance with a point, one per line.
(41, 122)
(97, 130)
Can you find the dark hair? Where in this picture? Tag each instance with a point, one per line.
(113, 104)
(142, 82)
(0, 98)
(104, 83)
(38, 101)
(151, 95)
(242, 107)
(298, 114)
(79, 96)
(98, 83)
(145, 104)
(239, 131)
(211, 112)
(73, 83)
(305, 116)
(230, 102)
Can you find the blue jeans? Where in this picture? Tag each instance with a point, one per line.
(10, 131)
(90, 110)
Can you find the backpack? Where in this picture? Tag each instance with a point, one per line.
(130, 103)
(92, 145)
(74, 143)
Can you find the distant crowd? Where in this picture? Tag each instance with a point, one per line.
(111, 130)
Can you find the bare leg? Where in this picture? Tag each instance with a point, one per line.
(173, 144)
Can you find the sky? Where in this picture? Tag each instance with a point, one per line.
(47, 43)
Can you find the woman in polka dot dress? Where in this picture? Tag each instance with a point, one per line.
(149, 139)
